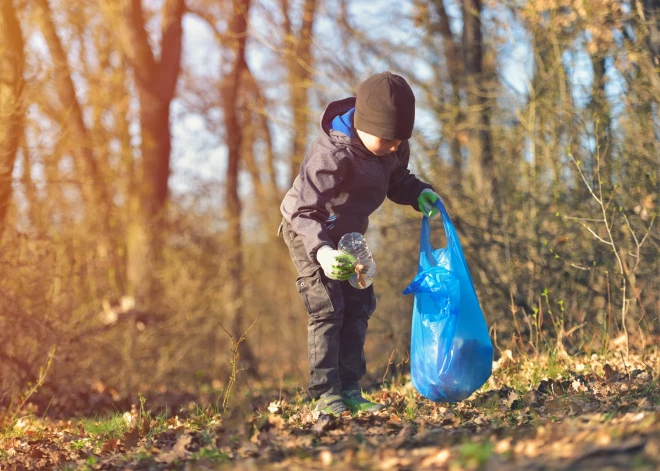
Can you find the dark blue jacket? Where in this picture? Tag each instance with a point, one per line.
(339, 178)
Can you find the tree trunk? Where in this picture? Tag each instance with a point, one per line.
(260, 200)
(257, 125)
(155, 80)
(300, 74)
(95, 194)
(230, 104)
(602, 129)
(478, 118)
(453, 64)
(35, 204)
(12, 62)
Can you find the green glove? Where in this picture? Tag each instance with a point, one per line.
(426, 202)
(336, 265)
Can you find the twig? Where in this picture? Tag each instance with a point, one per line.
(389, 362)
(233, 362)
(608, 227)
(41, 379)
(626, 367)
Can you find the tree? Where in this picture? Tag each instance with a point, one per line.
(454, 68)
(478, 112)
(155, 79)
(11, 106)
(299, 63)
(232, 92)
(96, 195)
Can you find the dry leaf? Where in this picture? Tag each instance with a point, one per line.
(110, 446)
(36, 453)
(402, 437)
(513, 397)
(146, 426)
(22, 423)
(609, 371)
(131, 439)
(276, 421)
(503, 445)
(177, 452)
(128, 419)
(275, 407)
(645, 206)
(326, 458)
(437, 459)
(322, 424)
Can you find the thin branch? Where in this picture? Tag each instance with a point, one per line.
(597, 236)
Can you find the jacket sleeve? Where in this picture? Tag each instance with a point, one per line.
(321, 173)
(404, 187)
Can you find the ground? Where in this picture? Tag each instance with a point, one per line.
(586, 411)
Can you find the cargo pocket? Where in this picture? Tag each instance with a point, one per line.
(321, 299)
(359, 302)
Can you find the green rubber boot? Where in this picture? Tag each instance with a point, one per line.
(354, 400)
(331, 404)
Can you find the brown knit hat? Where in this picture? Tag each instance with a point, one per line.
(385, 107)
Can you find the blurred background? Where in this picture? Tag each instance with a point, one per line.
(145, 147)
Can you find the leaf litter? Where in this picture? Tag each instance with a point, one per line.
(582, 412)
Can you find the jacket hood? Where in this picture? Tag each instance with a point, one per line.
(333, 110)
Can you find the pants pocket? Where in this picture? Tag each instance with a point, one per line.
(359, 302)
(322, 297)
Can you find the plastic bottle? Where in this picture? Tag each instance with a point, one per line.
(354, 244)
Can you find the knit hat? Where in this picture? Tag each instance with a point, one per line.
(385, 107)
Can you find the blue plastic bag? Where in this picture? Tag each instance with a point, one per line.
(451, 354)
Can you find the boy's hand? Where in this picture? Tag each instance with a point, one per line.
(336, 265)
(426, 202)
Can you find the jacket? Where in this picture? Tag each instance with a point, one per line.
(341, 183)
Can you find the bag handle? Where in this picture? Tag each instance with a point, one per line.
(426, 249)
(453, 243)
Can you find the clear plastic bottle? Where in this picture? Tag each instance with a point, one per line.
(354, 244)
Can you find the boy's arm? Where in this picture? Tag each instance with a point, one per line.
(404, 187)
(321, 174)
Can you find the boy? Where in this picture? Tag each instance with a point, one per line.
(361, 157)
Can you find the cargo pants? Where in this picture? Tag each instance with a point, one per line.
(338, 316)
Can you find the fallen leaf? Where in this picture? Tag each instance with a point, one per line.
(110, 446)
(402, 437)
(275, 407)
(322, 424)
(177, 452)
(22, 423)
(511, 400)
(326, 458)
(128, 419)
(146, 426)
(276, 421)
(36, 453)
(131, 439)
(609, 372)
(503, 445)
(633, 444)
(437, 459)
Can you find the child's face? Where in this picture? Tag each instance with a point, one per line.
(376, 145)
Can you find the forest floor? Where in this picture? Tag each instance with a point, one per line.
(585, 411)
